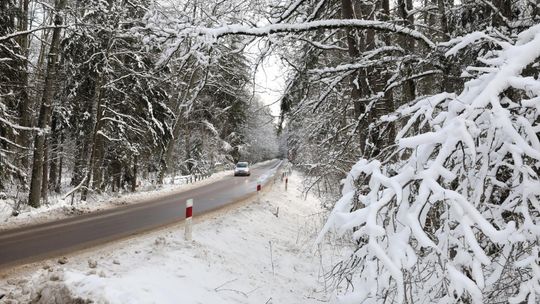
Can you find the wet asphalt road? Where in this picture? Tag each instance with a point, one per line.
(32, 243)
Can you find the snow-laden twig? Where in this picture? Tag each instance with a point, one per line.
(220, 288)
(21, 33)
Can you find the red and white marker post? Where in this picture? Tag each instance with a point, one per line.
(189, 221)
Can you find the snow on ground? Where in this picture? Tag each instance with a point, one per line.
(252, 252)
(60, 207)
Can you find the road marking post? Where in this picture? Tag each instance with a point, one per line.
(189, 221)
(286, 182)
(259, 193)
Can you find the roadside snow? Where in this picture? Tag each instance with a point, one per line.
(257, 252)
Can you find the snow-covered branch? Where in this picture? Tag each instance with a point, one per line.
(239, 29)
(37, 29)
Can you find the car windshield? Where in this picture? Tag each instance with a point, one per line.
(241, 165)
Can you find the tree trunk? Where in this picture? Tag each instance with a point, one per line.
(95, 144)
(97, 168)
(358, 79)
(167, 154)
(388, 99)
(448, 83)
(347, 12)
(365, 79)
(116, 170)
(189, 164)
(53, 167)
(45, 180)
(134, 180)
(45, 110)
(58, 183)
(53, 155)
(409, 88)
(82, 154)
(25, 107)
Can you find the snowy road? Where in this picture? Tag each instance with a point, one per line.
(34, 242)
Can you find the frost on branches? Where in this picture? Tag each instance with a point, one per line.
(452, 215)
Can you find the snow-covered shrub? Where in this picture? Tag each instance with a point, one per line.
(453, 214)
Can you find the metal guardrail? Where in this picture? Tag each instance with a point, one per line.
(196, 177)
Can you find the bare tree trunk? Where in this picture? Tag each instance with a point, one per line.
(25, 108)
(58, 183)
(388, 98)
(447, 84)
(358, 80)
(135, 167)
(45, 180)
(97, 168)
(82, 154)
(167, 154)
(45, 109)
(187, 136)
(94, 144)
(347, 12)
(365, 79)
(53, 154)
(409, 88)
(53, 167)
(116, 169)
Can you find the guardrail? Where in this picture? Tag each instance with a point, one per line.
(190, 179)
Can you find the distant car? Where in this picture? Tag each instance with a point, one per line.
(242, 169)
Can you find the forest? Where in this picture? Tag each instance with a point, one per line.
(417, 122)
(90, 95)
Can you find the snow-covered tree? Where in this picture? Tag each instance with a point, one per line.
(115, 95)
(260, 133)
(11, 91)
(450, 213)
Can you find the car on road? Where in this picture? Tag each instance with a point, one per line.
(242, 169)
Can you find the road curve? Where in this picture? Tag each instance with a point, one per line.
(31, 243)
